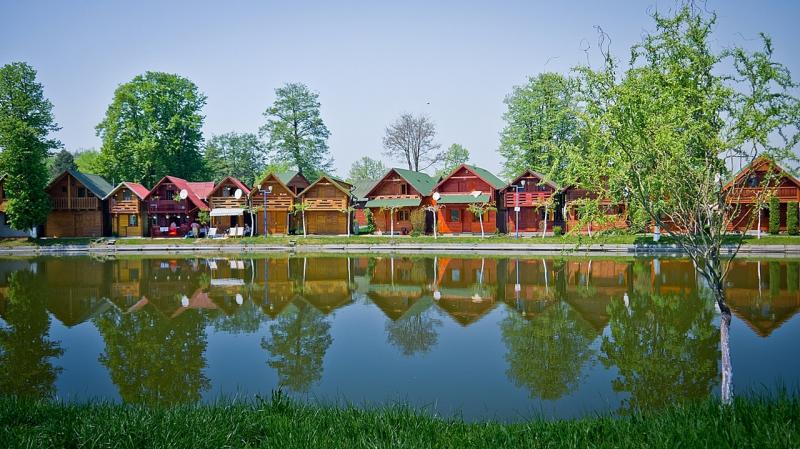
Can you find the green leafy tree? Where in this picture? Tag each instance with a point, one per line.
(26, 122)
(774, 215)
(240, 155)
(415, 332)
(454, 156)
(366, 169)
(295, 131)
(542, 126)
(88, 161)
(62, 161)
(298, 340)
(153, 128)
(26, 352)
(480, 210)
(792, 218)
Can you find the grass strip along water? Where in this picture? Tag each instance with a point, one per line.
(283, 423)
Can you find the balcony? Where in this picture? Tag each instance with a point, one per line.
(746, 194)
(326, 203)
(166, 206)
(66, 203)
(526, 199)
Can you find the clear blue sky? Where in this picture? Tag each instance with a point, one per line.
(369, 61)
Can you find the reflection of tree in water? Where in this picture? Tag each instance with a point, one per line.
(664, 348)
(546, 354)
(414, 332)
(154, 360)
(246, 319)
(298, 340)
(25, 350)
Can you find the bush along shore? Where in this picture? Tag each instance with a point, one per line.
(282, 423)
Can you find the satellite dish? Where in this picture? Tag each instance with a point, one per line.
(184, 193)
(237, 194)
(476, 193)
(239, 299)
(436, 196)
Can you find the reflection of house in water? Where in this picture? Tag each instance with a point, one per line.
(277, 281)
(466, 288)
(82, 286)
(326, 283)
(173, 286)
(764, 295)
(530, 285)
(397, 284)
(591, 285)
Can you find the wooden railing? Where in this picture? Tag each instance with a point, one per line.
(326, 203)
(64, 203)
(123, 206)
(227, 202)
(166, 206)
(750, 193)
(274, 202)
(525, 199)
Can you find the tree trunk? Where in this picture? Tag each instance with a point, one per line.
(480, 220)
(391, 222)
(544, 231)
(348, 222)
(726, 383)
(303, 213)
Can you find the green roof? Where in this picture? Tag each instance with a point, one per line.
(361, 189)
(422, 182)
(488, 176)
(462, 199)
(95, 183)
(286, 177)
(393, 202)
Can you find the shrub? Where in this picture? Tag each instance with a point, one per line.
(557, 231)
(417, 221)
(370, 228)
(774, 215)
(792, 213)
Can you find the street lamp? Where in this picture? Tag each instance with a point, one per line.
(264, 194)
(517, 189)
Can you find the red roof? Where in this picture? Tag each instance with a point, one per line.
(140, 190)
(234, 181)
(193, 196)
(202, 189)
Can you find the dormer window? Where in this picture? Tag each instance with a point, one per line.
(403, 189)
(126, 195)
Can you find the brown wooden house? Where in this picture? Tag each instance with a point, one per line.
(762, 178)
(126, 209)
(326, 200)
(277, 198)
(229, 208)
(617, 213)
(170, 215)
(5, 229)
(395, 196)
(466, 185)
(533, 195)
(77, 206)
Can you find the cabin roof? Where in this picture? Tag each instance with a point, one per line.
(285, 177)
(138, 189)
(481, 173)
(330, 179)
(185, 185)
(235, 181)
(95, 183)
(421, 182)
(277, 178)
(202, 189)
(361, 189)
(757, 163)
(536, 174)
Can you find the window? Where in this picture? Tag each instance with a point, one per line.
(752, 181)
(403, 215)
(403, 189)
(63, 189)
(455, 275)
(126, 195)
(170, 194)
(81, 192)
(133, 220)
(455, 215)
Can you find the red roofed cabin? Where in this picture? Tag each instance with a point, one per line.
(127, 209)
(278, 196)
(326, 199)
(752, 181)
(467, 185)
(228, 211)
(395, 196)
(531, 193)
(616, 213)
(170, 215)
(77, 206)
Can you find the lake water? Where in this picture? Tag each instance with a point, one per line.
(486, 338)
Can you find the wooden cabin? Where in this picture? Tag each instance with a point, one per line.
(762, 178)
(326, 200)
(395, 196)
(5, 229)
(77, 206)
(617, 213)
(277, 198)
(170, 215)
(127, 209)
(228, 203)
(532, 194)
(466, 289)
(294, 180)
(467, 185)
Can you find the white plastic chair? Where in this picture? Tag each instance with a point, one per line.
(212, 233)
(239, 232)
(232, 232)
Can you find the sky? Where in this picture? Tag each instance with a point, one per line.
(369, 61)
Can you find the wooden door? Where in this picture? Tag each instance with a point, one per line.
(276, 222)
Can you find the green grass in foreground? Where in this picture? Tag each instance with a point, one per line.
(748, 423)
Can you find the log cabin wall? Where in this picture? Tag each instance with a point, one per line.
(325, 202)
(279, 203)
(530, 198)
(75, 210)
(455, 218)
(749, 185)
(126, 209)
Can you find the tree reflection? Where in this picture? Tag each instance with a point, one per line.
(546, 354)
(664, 348)
(153, 360)
(415, 332)
(298, 340)
(25, 350)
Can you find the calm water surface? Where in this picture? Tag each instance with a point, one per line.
(487, 338)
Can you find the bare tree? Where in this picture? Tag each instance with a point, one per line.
(410, 140)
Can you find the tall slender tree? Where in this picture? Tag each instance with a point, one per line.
(410, 140)
(295, 131)
(152, 128)
(26, 124)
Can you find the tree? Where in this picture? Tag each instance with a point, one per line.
(774, 215)
(541, 127)
(295, 130)
(414, 332)
(479, 210)
(62, 161)
(153, 128)
(26, 122)
(88, 161)
(455, 155)
(240, 155)
(658, 135)
(366, 169)
(410, 140)
(300, 208)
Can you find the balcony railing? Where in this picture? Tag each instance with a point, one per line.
(64, 203)
(526, 199)
(326, 203)
(749, 193)
(170, 206)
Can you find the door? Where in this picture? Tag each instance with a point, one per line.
(276, 222)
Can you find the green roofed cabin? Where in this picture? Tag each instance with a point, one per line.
(466, 185)
(395, 196)
(77, 206)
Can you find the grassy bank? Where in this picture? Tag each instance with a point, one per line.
(749, 423)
